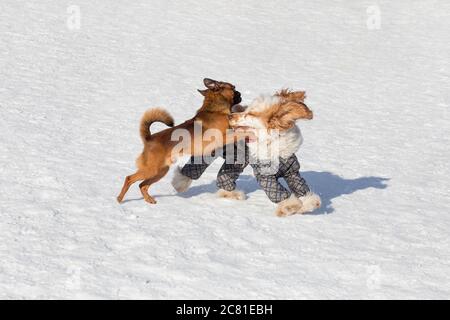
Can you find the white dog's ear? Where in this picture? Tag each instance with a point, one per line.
(285, 116)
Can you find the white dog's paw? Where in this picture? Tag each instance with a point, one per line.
(235, 194)
(311, 202)
(290, 206)
(180, 182)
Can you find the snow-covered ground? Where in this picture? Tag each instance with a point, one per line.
(377, 151)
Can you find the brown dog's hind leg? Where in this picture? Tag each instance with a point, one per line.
(144, 190)
(129, 180)
(146, 184)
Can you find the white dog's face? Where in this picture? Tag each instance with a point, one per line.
(246, 120)
(270, 113)
(242, 117)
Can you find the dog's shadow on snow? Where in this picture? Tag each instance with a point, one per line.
(328, 185)
(245, 183)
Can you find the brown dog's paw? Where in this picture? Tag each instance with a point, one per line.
(150, 200)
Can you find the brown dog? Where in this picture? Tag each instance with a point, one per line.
(158, 154)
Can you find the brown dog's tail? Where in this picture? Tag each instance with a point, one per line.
(154, 115)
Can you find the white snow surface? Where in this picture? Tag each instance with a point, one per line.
(377, 150)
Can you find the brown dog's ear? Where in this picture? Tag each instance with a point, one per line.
(284, 118)
(202, 92)
(211, 84)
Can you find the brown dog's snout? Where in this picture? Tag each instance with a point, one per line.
(237, 97)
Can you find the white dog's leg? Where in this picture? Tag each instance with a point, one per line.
(180, 182)
(311, 202)
(235, 194)
(290, 206)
